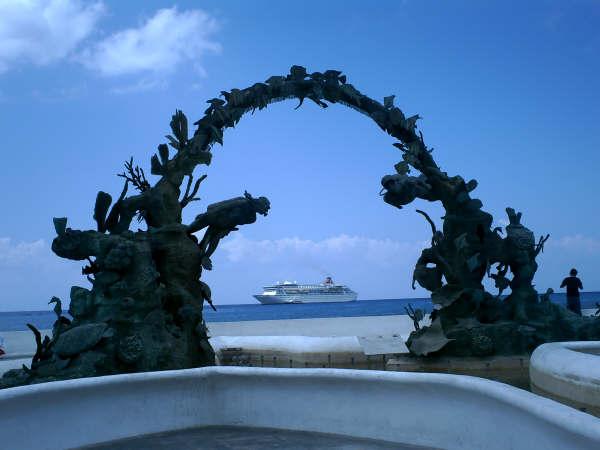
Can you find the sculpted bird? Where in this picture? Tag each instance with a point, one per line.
(57, 306)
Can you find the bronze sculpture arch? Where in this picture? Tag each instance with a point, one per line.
(144, 310)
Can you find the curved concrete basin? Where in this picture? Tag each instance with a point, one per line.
(568, 372)
(432, 410)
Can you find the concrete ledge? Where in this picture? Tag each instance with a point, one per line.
(568, 372)
(435, 410)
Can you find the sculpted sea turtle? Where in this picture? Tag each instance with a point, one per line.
(79, 339)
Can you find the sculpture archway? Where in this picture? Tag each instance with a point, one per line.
(460, 255)
(144, 310)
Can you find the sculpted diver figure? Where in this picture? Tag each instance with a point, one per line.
(224, 217)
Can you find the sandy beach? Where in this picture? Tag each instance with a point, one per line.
(322, 327)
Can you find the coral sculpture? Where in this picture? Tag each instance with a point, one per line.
(144, 310)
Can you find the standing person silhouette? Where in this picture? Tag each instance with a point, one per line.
(573, 285)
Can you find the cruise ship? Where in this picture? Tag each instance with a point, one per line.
(288, 292)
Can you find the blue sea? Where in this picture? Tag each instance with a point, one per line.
(17, 320)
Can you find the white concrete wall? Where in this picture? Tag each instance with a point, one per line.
(288, 344)
(569, 372)
(445, 411)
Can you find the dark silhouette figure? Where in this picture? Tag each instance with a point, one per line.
(573, 285)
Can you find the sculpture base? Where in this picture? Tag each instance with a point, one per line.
(513, 370)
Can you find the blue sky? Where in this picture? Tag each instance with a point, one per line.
(509, 93)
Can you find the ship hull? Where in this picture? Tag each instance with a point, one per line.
(313, 298)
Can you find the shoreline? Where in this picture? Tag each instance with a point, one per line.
(20, 345)
(557, 297)
(22, 342)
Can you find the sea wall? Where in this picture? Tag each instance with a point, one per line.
(341, 352)
(568, 372)
(436, 410)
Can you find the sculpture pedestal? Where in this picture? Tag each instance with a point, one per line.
(513, 370)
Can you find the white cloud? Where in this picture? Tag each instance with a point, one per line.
(14, 254)
(159, 45)
(576, 242)
(502, 223)
(43, 31)
(342, 247)
(553, 19)
(70, 92)
(375, 268)
(30, 274)
(143, 85)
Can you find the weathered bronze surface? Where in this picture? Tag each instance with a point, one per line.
(144, 310)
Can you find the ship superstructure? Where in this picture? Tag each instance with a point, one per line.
(292, 292)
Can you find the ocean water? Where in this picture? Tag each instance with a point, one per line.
(17, 320)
